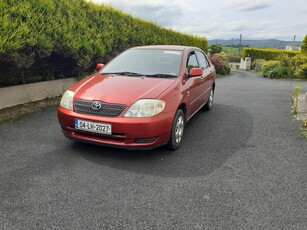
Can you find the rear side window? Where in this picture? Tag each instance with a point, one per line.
(203, 62)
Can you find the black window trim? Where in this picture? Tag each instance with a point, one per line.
(191, 52)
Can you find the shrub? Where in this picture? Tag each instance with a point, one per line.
(214, 49)
(283, 64)
(274, 69)
(220, 63)
(257, 64)
(285, 59)
(222, 56)
(298, 66)
(304, 46)
(303, 71)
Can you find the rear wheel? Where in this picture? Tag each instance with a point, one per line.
(177, 131)
(208, 105)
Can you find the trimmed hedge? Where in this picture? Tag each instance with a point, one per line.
(267, 54)
(49, 39)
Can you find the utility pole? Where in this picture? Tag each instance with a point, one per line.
(293, 42)
(240, 43)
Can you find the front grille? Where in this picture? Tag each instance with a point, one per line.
(106, 110)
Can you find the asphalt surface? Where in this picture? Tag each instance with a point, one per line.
(242, 165)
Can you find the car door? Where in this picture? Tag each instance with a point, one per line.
(194, 87)
(207, 77)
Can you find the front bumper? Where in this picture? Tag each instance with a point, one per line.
(128, 133)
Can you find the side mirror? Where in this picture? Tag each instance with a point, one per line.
(195, 72)
(99, 66)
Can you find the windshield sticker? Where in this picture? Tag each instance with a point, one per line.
(172, 52)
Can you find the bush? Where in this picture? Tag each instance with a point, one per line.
(274, 69)
(298, 66)
(284, 64)
(302, 71)
(215, 49)
(222, 56)
(285, 59)
(220, 63)
(257, 64)
(304, 46)
(48, 39)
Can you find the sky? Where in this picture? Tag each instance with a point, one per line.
(223, 19)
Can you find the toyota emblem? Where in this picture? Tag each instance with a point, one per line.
(96, 105)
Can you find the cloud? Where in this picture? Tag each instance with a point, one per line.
(158, 13)
(222, 19)
(303, 10)
(197, 29)
(154, 11)
(248, 5)
(233, 29)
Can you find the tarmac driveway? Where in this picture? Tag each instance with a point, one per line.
(242, 165)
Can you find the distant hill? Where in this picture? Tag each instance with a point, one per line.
(266, 43)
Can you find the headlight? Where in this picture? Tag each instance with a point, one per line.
(145, 108)
(67, 100)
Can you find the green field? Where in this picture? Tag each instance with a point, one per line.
(230, 49)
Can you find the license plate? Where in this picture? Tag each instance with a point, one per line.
(93, 127)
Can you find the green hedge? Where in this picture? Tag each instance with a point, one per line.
(267, 54)
(49, 39)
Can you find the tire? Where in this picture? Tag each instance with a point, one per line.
(209, 104)
(177, 131)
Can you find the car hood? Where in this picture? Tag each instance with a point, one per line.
(120, 89)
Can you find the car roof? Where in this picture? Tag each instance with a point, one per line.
(165, 47)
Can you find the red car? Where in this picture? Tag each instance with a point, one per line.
(142, 99)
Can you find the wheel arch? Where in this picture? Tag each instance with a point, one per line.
(183, 107)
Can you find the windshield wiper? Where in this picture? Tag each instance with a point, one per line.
(161, 75)
(126, 73)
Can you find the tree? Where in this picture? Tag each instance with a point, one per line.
(304, 46)
(215, 49)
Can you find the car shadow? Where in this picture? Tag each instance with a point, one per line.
(210, 139)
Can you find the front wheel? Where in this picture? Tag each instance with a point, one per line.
(177, 131)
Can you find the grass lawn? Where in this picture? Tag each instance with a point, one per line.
(230, 49)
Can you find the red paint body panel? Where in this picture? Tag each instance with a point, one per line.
(121, 89)
(138, 133)
(125, 130)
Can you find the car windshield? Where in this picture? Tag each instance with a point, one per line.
(146, 62)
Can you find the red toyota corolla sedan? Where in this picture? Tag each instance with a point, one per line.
(142, 99)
